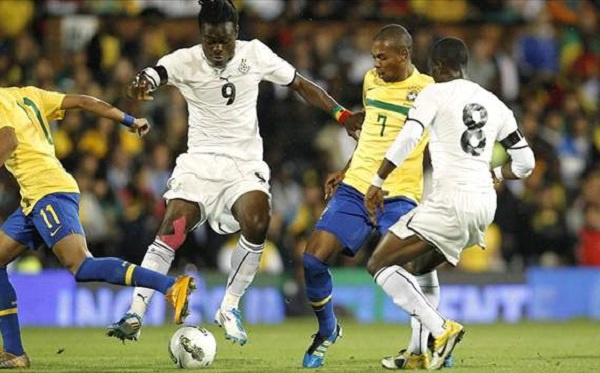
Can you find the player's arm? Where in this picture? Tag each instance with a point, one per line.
(317, 97)
(8, 144)
(106, 110)
(334, 179)
(147, 81)
(522, 160)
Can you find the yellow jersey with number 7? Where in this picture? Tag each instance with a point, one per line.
(386, 106)
(29, 110)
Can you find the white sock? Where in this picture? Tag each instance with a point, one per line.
(244, 265)
(402, 287)
(430, 286)
(158, 258)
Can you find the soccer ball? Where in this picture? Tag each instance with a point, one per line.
(192, 347)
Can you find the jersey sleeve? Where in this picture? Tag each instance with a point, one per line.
(48, 102)
(425, 107)
(367, 83)
(273, 68)
(507, 127)
(52, 102)
(172, 62)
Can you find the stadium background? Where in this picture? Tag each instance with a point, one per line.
(540, 57)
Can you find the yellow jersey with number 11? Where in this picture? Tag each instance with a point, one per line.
(386, 106)
(34, 164)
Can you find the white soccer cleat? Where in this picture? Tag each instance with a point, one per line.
(129, 327)
(231, 321)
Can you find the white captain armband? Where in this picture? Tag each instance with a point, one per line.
(156, 75)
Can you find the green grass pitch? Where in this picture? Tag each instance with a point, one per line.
(527, 347)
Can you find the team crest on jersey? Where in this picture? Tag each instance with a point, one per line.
(412, 95)
(244, 68)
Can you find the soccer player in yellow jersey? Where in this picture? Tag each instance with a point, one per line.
(49, 212)
(388, 93)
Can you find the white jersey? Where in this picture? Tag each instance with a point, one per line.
(465, 121)
(222, 102)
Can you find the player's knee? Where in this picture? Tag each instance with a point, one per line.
(317, 248)
(414, 268)
(255, 226)
(173, 233)
(72, 264)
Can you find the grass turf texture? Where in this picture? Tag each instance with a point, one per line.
(526, 347)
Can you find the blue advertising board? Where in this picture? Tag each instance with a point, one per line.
(53, 298)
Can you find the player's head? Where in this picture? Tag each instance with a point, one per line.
(218, 21)
(391, 50)
(448, 59)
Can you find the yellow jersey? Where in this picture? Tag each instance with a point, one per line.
(34, 164)
(386, 106)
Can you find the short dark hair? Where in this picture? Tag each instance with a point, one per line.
(452, 53)
(217, 11)
(397, 34)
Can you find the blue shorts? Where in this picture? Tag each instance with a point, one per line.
(53, 217)
(347, 218)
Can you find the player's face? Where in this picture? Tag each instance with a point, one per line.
(389, 61)
(218, 42)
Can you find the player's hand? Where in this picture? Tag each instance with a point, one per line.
(331, 184)
(495, 180)
(139, 89)
(141, 126)
(354, 123)
(373, 201)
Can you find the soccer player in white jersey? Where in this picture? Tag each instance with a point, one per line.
(222, 178)
(464, 121)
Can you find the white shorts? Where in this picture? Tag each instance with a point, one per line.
(215, 182)
(450, 220)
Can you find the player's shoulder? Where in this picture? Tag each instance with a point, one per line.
(422, 79)
(370, 76)
(19, 93)
(182, 54)
(252, 48)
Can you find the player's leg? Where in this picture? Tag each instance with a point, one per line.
(72, 252)
(13, 355)
(386, 266)
(416, 356)
(253, 213)
(321, 247)
(180, 218)
(344, 225)
(56, 219)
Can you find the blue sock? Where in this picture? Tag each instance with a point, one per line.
(120, 272)
(319, 287)
(9, 321)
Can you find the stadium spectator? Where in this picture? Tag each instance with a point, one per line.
(329, 44)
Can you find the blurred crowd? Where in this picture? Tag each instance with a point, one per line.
(540, 57)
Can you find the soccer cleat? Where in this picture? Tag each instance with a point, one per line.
(231, 321)
(177, 296)
(445, 343)
(10, 361)
(405, 360)
(449, 361)
(129, 327)
(315, 355)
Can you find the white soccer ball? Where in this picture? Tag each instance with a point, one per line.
(192, 347)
